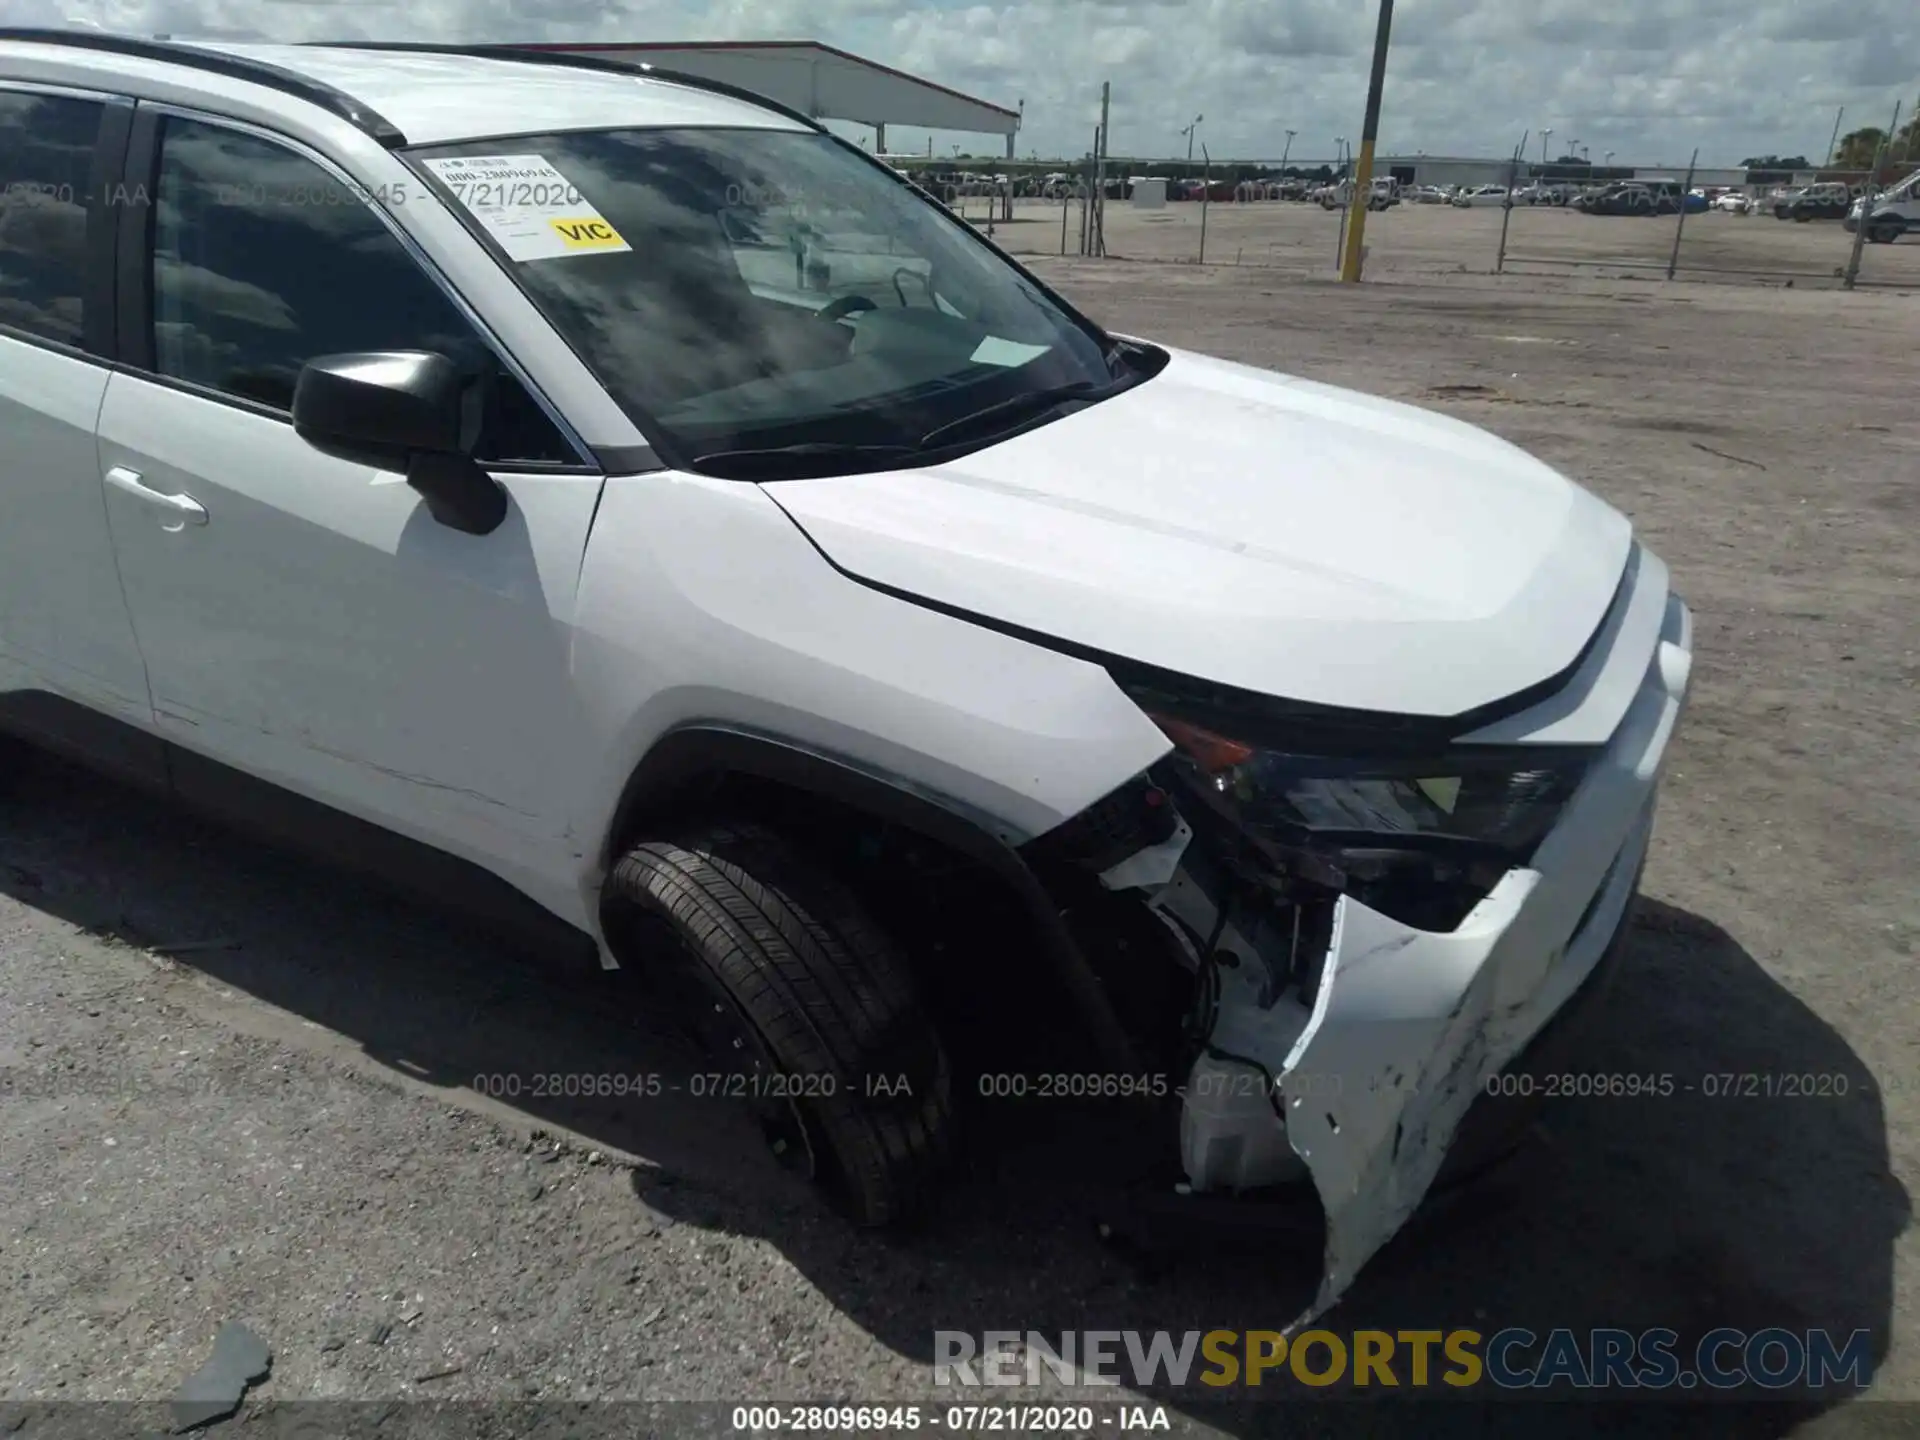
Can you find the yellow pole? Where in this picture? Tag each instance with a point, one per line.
(1369, 132)
(1357, 223)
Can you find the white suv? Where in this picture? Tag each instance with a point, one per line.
(609, 499)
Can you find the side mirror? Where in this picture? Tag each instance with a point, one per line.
(402, 410)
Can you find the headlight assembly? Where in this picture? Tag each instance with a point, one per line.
(1490, 804)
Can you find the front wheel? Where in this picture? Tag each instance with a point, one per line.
(14, 757)
(807, 1008)
(1885, 234)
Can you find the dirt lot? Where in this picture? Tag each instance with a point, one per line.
(286, 1132)
(1431, 240)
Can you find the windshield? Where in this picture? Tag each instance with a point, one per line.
(752, 289)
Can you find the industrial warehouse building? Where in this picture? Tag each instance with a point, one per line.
(821, 81)
(1467, 172)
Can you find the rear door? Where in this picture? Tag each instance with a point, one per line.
(64, 631)
(304, 618)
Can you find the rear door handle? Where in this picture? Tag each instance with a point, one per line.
(184, 508)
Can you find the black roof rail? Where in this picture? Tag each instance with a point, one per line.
(524, 55)
(235, 67)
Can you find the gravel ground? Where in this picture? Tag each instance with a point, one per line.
(279, 1124)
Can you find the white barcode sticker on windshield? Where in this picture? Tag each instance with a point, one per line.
(1011, 353)
(530, 209)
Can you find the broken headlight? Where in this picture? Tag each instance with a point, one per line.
(1484, 809)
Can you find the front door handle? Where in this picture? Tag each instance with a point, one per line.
(184, 508)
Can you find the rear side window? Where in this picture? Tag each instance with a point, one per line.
(263, 260)
(46, 160)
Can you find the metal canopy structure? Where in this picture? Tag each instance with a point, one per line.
(821, 81)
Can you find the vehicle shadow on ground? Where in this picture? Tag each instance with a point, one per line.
(1717, 1204)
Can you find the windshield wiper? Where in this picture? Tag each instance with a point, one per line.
(812, 457)
(1033, 402)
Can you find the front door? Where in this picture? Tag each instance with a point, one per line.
(304, 618)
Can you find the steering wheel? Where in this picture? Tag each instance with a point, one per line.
(846, 305)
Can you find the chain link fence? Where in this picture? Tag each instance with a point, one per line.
(1685, 223)
(1649, 221)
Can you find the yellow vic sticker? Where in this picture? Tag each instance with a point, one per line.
(586, 233)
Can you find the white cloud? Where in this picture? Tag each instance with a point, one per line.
(1647, 79)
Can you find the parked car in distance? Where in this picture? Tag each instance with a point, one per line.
(1385, 192)
(1733, 202)
(1632, 197)
(1829, 200)
(1483, 195)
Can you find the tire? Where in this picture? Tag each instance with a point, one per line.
(777, 962)
(14, 757)
(1884, 234)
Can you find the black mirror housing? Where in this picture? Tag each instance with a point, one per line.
(401, 410)
(385, 405)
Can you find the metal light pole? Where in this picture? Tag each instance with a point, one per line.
(1506, 208)
(1206, 198)
(1188, 132)
(1680, 226)
(1545, 135)
(1100, 172)
(1340, 155)
(1606, 160)
(1867, 195)
(1834, 143)
(1288, 151)
(1369, 132)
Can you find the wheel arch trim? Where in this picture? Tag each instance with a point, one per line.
(690, 756)
(696, 755)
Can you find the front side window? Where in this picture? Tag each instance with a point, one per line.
(46, 159)
(263, 260)
(766, 288)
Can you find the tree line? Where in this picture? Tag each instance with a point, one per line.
(1856, 151)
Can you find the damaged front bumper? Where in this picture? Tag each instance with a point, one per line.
(1361, 1079)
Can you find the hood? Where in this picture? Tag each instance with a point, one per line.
(1254, 530)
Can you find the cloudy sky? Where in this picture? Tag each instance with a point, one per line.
(1647, 79)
